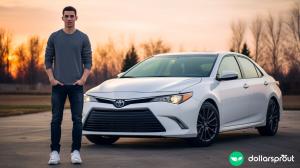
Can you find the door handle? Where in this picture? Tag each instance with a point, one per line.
(246, 86)
(266, 83)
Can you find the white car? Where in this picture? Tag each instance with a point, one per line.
(194, 96)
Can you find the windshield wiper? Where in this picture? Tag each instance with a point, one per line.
(158, 76)
(128, 77)
(145, 76)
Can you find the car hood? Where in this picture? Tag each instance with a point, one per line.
(146, 85)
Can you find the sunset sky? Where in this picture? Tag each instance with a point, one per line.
(192, 24)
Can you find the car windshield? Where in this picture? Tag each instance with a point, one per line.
(174, 66)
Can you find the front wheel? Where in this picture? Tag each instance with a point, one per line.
(101, 139)
(272, 120)
(207, 126)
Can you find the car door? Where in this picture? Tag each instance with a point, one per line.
(255, 87)
(231, 94)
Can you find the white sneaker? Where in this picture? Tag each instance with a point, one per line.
(54, 158)
(75, 157)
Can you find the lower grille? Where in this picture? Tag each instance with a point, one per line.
(122, 120)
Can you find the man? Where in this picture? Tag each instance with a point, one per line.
(68, 62)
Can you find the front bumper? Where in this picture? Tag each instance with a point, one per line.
(176, 120)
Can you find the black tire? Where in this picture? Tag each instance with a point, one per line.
(272, 120)
(208, 125)
(101, 139)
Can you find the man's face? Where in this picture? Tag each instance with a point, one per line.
(69, 19)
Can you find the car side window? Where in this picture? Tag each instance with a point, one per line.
(248, 68)
(260, 74)
(229, 64)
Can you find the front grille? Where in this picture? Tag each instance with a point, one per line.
(122, 120)
(127, 102)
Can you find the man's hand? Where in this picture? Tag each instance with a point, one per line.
(55, 82)
(52, 80)
(80, 82)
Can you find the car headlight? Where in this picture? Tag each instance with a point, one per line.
(175, 99)
(88, 98)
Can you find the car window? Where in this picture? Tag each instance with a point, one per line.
(260, 74)
(229, 64)
(174, 66)
(248, 68)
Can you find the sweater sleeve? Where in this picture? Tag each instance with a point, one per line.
(49, 53)
(86, 55)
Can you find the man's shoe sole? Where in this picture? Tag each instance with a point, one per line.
(76, 162)
(53, 163)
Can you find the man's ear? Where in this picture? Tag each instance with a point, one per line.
(62, 18)
(76, 17)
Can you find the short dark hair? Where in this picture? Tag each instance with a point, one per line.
(69, 8)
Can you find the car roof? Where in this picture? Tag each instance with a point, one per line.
(218, 53)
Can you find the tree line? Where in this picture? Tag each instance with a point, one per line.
(25, 63)
(274, 44)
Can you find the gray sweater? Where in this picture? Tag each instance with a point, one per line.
(68, 55)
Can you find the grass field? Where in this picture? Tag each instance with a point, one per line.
(24, 104)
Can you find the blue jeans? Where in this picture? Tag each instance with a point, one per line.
(58, 99)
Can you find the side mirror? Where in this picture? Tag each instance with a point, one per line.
(227, 75)
(120, 74)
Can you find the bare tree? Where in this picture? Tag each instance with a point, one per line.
(293, 24)
(107, 62)
(238, 32)
(274, 38)
(5, 46)
(35, 48)
(21, 54)
(100, 69)
(153, 47)
(257, 29)
(292, 51)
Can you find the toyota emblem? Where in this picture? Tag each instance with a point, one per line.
(119, 103)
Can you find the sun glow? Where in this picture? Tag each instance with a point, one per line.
(13, 62)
